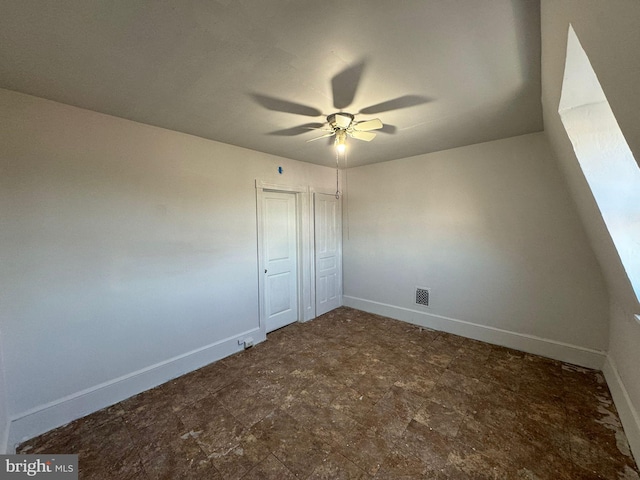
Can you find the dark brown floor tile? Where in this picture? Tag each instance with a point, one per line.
(459, 382)
(181, 458)
(450, 398)
(547, 443)
(326, 422)
(117, 471)
(302, 453)
(492, 417)
(353, 404)
(65, 439)
(337, 467)
(168, 428)
(619, 473)
(348, 371)
(400, 402)
(543, 465)
(499, 352)
(500, 445)
(541, 388)
(391, 415)
(214, 428)
(420, 380)
(287, 389)
(468, 365)
(505, 377)
(247, 405)
(235, 462)
(465, 462)
(291, 442)
(356, 395)
(551, 411)
(270, 469)
(491, 393)
(216, 376)
(581, 375)
(440, 353)
(246, 359)
(541, 366)
(374, 382)
(480, 349)
(184, 391)
(274, 429)
(588, 401)
(279, 393)
(112, 437)
(101, 416)
(425, 336)
(426, 444)
(146, 406)
(401, 466)
(365, 448)
(108, 450)
(322, 392)
(595, 448)
(307, 360)
(443, 420)
(451, 339)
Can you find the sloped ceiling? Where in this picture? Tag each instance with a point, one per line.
(439, 74)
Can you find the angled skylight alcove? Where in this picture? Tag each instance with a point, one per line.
(604, 155)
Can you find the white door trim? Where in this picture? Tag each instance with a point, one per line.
(276, 187)
(304, 225)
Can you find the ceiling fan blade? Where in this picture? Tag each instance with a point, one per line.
(395, 104)
(367, 125)
(299, 130)
(279, 105)
(323, 136)
(345, 84)
(366, 136)
(343, 121)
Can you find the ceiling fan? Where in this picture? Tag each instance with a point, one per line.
(341, 124)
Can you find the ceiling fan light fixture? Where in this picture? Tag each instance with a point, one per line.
(341, 141)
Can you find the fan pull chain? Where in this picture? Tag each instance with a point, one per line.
(337, 174)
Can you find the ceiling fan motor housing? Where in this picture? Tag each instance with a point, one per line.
(340, 121)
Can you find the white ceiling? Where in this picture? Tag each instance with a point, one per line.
(464, 71)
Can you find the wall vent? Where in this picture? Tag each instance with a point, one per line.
(422, 296)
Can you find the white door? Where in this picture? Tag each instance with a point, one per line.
(280, 259)
(328, 252)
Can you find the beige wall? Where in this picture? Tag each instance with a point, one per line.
(124, 246)
(491, 229)
(4, 414)
(609, 34)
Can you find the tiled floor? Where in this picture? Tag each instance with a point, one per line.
(354, 395)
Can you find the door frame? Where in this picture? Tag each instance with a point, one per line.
(306, 304)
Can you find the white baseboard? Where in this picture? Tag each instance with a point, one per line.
(627, 412)
(46, 417)
(564, 352)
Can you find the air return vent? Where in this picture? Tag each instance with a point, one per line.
(422, 296)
